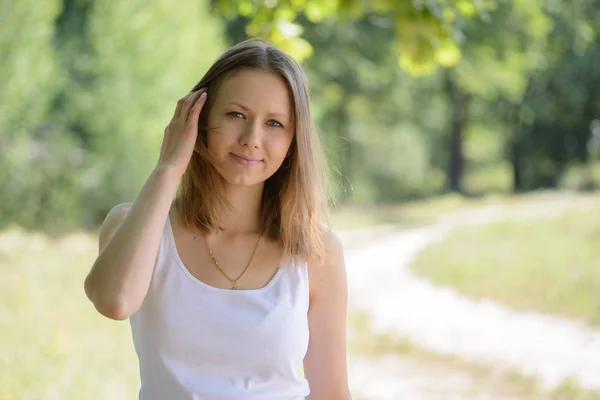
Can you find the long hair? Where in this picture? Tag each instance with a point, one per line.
(294, 203)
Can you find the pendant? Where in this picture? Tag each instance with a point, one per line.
(234, 287)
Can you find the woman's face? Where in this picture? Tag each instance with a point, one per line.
(251, 126)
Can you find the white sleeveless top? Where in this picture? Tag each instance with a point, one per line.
(198, 342)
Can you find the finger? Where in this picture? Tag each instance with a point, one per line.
(189, 103)
(195, 111)
(180, 103)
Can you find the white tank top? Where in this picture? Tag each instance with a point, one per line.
(198, 342)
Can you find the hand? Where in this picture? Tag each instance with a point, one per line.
(180, 135)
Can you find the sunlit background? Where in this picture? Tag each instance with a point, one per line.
(464, 140)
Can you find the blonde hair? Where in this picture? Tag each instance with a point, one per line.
(295, 200)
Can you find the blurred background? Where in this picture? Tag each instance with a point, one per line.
(465, 133)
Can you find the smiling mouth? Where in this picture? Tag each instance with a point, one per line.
(244, 160)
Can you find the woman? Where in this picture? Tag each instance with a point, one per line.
(236, 281)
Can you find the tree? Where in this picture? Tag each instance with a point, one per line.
(427, 32)
(551, 124)
(499, 56)
(128, 63)
(88, 87)
(29, 74)
(488, 48)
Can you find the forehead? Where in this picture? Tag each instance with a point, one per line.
(260, 91)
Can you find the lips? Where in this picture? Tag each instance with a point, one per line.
(245, 160)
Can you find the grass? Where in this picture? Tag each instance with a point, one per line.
(549, 265)
(569, 390)
(419, 213)
(53, 344)
(410, 214)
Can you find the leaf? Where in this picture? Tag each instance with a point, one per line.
(416, 57)
(245, 7)
(285, 13)
(448, 53)
(298, 4)
(226, 8)
(350, 9)
(382, 6)
(449, 15)
(298, 48)
(466, 8)
(314, 12)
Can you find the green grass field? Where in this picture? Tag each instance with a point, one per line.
(419, 213)
(53, 344)
(550, 265)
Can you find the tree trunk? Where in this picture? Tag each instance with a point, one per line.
(458, 102)
(516, 162)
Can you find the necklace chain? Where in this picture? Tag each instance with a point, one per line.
(233, 281)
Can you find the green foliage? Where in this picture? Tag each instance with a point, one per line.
(136, 59)
(89, 86)
(30, 75)
(553, 121)
(428, 33)
(570, 390)
(377, 134)
(28, 70)
(502, 52)
(89, 91)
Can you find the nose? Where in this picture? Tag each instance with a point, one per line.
(251, 135)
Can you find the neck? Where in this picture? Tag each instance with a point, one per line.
(244, 216)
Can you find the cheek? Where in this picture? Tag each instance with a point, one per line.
(226, 127)
(281, 147)
(220, 133)
(215, 141)
(288, 142)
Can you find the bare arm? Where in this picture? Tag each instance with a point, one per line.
(325, 362)
(129, 240)
(130, 235)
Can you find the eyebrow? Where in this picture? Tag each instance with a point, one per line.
(275, 114)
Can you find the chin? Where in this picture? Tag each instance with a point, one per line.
(238, 178)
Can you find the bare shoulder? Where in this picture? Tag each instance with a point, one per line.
(333, 242)
(331, 270)
(334, 250)
(112, 221)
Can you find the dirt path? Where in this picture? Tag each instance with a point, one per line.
(548, 348)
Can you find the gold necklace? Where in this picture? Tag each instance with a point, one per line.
(233, 281)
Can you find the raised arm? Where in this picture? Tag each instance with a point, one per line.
(130, 235)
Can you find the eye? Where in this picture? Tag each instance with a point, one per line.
(274, 123)
(235, 114)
